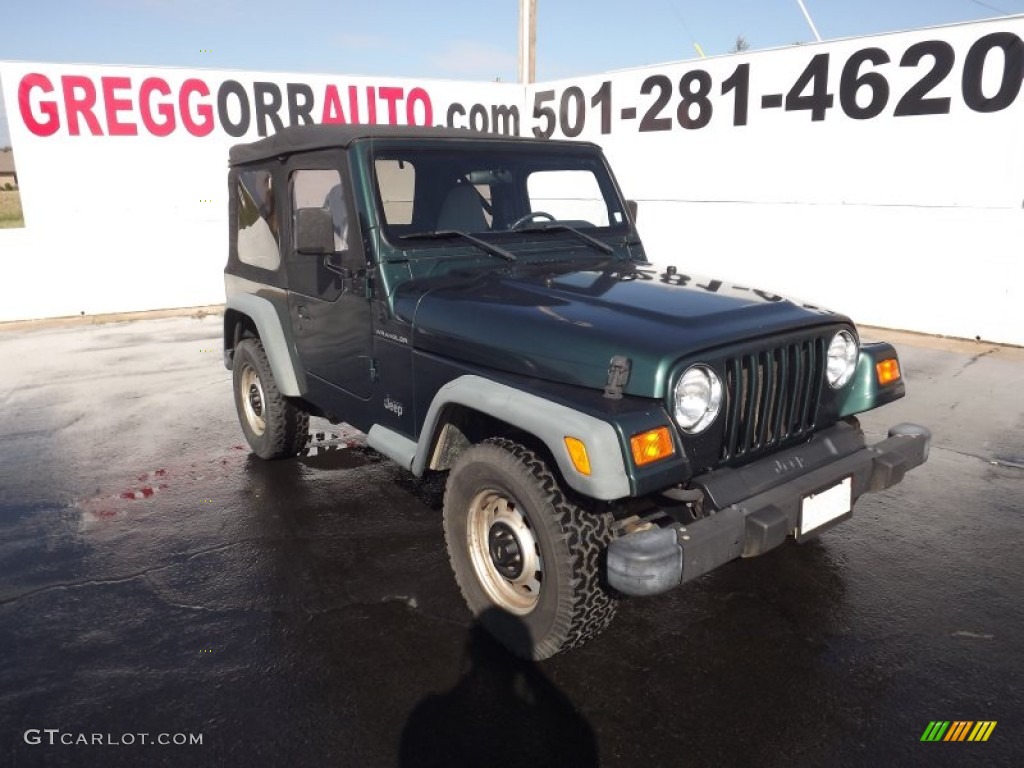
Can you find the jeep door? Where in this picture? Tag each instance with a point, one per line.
(327, 295)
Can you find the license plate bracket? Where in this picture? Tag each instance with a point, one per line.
(827, 506)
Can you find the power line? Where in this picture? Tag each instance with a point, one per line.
(686, 29)
(810, 21)
(991, 7)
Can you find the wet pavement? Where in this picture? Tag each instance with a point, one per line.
(156, 579)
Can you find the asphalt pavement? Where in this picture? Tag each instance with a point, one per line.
(160, 584)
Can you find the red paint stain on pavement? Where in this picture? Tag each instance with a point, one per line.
(147, 487)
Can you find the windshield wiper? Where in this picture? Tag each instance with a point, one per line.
(558, 227)
(444, 234)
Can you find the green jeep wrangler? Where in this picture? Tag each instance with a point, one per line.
(482, 305)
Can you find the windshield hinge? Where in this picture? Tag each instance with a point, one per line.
(618, 377)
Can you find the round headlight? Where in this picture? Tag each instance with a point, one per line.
(842, 359)
(698, 398)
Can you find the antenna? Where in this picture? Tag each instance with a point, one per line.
(810, 22)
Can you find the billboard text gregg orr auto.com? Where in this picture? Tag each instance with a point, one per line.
(81, 105)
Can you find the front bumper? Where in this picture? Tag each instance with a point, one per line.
(755, 508)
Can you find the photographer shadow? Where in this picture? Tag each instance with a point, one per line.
(503, 712)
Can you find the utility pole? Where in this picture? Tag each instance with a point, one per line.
(527, 41)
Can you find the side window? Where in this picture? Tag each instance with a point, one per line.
(257, 236)
(568, 195)
(396, 182)
(307, 273)
(322, 189)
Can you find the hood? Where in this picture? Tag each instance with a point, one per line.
(567, 326)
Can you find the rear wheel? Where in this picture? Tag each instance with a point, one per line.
(274, 426)
(516, 542)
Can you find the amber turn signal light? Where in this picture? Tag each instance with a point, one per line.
(651, 446)
(578, 454)
(888, 371)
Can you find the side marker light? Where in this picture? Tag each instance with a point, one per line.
(578, 454)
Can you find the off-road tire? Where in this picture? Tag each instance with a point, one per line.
(285, 425)
(572, 606)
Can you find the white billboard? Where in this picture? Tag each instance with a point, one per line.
(881, 176)
(123, 170)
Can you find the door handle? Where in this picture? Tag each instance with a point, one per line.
(302, 312)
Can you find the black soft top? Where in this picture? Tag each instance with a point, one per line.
(302, 138)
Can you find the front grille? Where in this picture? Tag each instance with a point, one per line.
(771, 396)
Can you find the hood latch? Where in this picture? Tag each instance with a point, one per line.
(618, 377)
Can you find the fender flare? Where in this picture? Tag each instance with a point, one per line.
(279, 350)
(548, 421)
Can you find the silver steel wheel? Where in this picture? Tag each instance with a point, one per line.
(504, 552)
(253, 401)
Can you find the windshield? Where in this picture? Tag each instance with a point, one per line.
(500, 192)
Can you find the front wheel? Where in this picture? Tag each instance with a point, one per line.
(274, 426)
(516, 542)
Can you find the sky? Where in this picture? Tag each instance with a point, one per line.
(460, 39)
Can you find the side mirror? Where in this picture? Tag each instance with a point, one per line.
(314, 231)
(631, 206)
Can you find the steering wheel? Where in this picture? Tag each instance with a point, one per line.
(529, 217)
